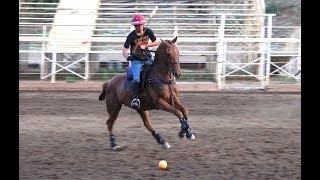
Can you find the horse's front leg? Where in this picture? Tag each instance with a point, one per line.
(147, 123)
(182, 114)
(185, 129)
(178, 105)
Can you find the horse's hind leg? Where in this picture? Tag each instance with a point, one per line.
(113, 115)
(147, 123)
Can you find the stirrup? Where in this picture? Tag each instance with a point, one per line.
(135, 103)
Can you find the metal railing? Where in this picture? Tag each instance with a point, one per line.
(226, 46)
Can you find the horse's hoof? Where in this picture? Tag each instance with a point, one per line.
(189, 134)
(166, 145)
(116, 148)
(182, 134)
(192, 137)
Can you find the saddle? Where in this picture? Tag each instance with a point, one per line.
(143, 76)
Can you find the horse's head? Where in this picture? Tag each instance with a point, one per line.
(169, 54)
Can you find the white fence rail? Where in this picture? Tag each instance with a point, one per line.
(228, 47)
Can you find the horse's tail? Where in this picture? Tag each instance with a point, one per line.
(103, 93)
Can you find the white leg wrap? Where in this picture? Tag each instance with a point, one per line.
(166, 145)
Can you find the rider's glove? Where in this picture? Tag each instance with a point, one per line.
(129, 58)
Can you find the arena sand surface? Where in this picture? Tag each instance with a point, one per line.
(63, 135)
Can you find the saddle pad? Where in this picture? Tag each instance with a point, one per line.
(128, 85)
(129, 72)
(128, 82)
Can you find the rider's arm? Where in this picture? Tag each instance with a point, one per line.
(154, 43)
(126, 46)
(125, 52)
(152, 38)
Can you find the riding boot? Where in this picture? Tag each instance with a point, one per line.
(135, 103)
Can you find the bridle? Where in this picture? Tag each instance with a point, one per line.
(171, 69)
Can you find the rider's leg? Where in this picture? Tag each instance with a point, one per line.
(136, 66)
(145, 68)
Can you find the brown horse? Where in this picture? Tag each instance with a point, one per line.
(160, 92)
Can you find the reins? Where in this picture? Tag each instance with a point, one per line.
(170, 71)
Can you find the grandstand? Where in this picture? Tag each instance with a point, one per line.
(228, 42)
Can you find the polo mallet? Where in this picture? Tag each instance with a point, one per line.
(151, 15)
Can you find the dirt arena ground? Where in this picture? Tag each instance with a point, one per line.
(63, 135)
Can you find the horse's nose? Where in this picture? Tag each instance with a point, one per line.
(178, 72)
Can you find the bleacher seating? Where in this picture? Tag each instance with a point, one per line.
(196, 23)
(191, 21)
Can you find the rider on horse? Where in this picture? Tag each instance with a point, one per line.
(138, 41)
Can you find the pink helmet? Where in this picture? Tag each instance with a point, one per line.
(138, 19)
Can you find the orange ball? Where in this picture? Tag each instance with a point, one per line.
(163, 164)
